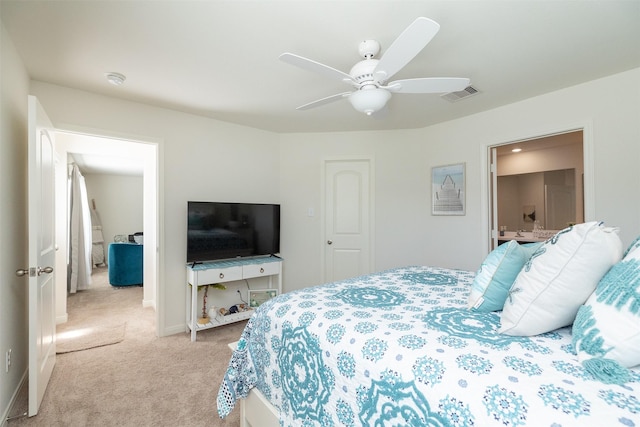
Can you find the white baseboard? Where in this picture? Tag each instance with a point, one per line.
(12, 402)
(172, 330)
(62, 319)
(149, 303)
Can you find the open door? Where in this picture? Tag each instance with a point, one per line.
(42, 322)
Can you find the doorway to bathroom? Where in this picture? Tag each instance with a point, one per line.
(537, 183)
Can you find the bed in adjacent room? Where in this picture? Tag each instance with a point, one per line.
(423, 346)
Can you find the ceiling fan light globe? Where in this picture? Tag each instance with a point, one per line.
(369, 101)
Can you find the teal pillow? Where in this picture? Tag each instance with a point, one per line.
(635, 244)
(606, 332)
(496, 275)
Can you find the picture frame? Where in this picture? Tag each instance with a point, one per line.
(448, 189)
(259, 296)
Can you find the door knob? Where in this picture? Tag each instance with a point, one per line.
(22, 272)
(329, 242)
(45, 270)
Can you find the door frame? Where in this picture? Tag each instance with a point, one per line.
(372, 192)
(487, 196)
(153, 190)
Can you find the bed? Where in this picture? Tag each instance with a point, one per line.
(403, 347)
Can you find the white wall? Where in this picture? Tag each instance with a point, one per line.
(118, 201)
(14, 85)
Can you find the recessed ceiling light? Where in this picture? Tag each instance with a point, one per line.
(115, 79)
(516, 150)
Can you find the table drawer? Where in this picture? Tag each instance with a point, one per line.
(257, 270)
(218, 275)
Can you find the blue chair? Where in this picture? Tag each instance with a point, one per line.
(125, 264)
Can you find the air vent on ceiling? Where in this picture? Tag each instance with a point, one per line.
(461, 94)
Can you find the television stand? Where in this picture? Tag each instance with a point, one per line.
(212, 272)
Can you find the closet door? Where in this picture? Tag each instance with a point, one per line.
(348, 222)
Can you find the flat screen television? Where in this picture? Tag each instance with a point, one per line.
(217, 230)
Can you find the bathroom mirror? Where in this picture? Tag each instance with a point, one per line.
(546, 197)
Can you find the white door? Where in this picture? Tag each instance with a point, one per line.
(42, 325)
(347, 219)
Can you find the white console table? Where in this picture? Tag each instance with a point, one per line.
(213, 272)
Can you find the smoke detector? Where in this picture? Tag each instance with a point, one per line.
(115, 79)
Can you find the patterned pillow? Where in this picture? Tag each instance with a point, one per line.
(606, 333)
(496, 275)
(559, 278)
(634, 245)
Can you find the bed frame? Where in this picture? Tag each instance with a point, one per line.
(255, 409)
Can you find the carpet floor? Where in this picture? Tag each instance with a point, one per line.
(142, 380)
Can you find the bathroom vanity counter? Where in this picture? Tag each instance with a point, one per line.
(526, 236)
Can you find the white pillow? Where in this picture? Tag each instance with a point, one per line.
(559, 278)
(496, 275)
(607, 329)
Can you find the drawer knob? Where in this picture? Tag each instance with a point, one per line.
(222, 275)
(261, 270)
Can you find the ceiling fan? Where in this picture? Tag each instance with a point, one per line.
(369, 77)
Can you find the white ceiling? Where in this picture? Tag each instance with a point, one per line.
(220, 58)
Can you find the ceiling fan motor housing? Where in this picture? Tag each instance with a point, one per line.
(362, 72)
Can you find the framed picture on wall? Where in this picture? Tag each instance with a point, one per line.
(448, 190)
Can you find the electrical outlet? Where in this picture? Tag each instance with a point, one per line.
(8, 360)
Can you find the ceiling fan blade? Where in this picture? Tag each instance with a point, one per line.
(408, 44)
(316, 67)
(428, 85)
(323, 101)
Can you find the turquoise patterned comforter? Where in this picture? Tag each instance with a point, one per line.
(400, 348)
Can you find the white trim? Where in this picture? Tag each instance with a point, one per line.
(589, 186)
(160, 290)
(108, 134)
